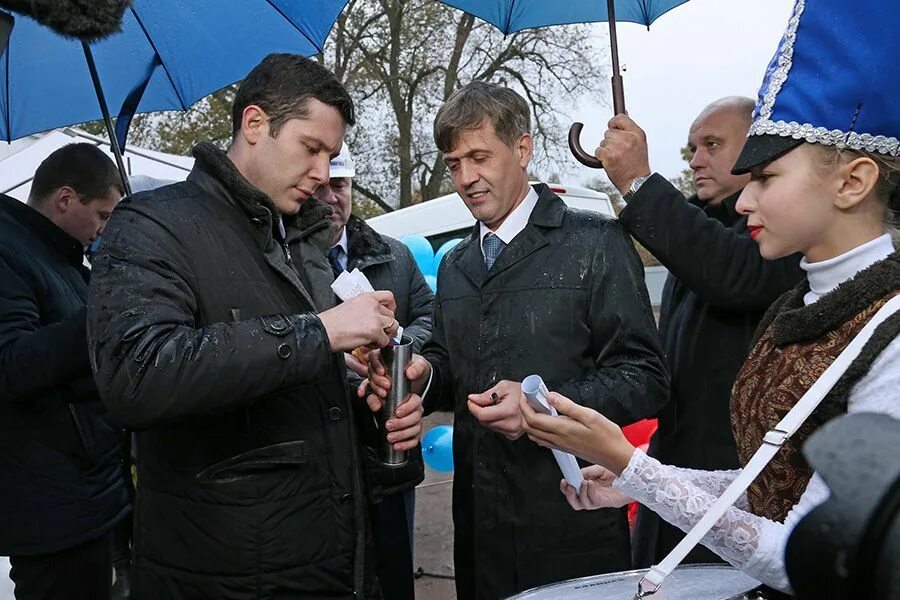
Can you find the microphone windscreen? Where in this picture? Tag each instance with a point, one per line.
(86, 20)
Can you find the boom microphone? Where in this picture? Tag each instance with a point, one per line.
(85, 20)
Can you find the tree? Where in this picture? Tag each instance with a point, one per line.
(685, 181)
(402, 59)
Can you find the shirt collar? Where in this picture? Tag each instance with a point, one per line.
(342, 243)
(515, 222)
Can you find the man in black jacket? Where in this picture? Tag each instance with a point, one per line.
(60, 453)
(388, 265)
(536, 288)
(717, 290)
(212, 333)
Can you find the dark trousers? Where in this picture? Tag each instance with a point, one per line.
(391, 528)
(83, 572)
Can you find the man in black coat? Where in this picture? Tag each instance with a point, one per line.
(717, 290)
(61, 476)
(388, 265)
(536, 288)
(211, 333)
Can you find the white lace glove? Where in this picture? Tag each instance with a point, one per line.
(682, 496)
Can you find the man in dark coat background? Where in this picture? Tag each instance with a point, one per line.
(211, 334)
(717, 291)
(536, 288)
(388, 265)
(61, 476)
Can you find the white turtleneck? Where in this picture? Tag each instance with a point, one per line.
(824, 276)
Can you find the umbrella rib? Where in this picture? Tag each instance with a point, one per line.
(8, 107)
(294, 25)
(509, 13)
(162, 62)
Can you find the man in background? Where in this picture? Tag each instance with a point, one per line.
(388, 265)
(60, 452)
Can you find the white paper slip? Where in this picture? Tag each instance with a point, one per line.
(536, 394)
(350, 284)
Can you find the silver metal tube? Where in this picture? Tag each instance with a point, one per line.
(395, 358)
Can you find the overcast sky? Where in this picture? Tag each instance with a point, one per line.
(696, 53)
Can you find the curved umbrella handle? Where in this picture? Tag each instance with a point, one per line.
(583, 157)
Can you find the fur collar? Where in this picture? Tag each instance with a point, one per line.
(792, 322)
(366, 246)
(310, 222)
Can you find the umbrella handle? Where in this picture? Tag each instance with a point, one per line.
(583, 157)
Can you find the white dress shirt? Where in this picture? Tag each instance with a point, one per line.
(514, 223)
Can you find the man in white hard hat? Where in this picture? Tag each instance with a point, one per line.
(388, 265)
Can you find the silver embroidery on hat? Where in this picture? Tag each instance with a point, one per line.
(828, 137)
(785, 60)
(819, 135)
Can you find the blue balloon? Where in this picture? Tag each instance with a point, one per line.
(444, 249)
(422, 252)
(437, 448)
(431, 280)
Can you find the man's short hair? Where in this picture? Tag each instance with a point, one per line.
(83, 167)
(282, 84)
(471, 105)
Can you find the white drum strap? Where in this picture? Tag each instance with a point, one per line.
(772, 442)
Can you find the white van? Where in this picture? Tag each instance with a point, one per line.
(447, 217)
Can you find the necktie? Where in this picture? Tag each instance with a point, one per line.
(492, 246)
(334, 258)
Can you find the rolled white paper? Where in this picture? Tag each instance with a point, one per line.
(536, 392)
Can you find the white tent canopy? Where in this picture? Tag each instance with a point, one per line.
(17, 169)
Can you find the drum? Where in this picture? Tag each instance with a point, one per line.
(688, 582)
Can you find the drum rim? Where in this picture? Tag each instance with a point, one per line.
(691, 567)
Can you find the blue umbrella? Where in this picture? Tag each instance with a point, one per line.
(169, 54)
(510, 16)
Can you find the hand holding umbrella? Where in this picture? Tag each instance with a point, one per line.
(623, 152)
(580, 431)
(510, 16)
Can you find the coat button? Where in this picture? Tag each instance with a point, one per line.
(335, 414)
(284, 351)
(346, 498)
(279, 325)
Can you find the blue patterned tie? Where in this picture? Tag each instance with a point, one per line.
(492, 246)
(334, 258)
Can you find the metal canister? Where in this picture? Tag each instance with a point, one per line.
(396, 358)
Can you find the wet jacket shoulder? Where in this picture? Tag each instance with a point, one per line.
(164, 254)
(591, 256)
(681, 237)
(389, 265)
(59, 450)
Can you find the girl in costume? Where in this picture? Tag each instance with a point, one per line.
(825, 181)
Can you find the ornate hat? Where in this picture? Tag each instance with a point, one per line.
(834, 80)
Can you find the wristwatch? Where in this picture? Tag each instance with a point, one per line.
(635, 186)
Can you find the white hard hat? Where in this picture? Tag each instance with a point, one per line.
(342, 164)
